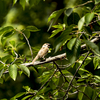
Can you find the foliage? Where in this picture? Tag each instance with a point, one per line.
(77, 75)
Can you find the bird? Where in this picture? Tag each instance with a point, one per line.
(42, 52)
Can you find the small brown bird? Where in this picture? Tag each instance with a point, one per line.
(42, 52)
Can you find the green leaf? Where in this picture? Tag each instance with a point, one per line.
(27, 33)
(20, 44)
(96, 62)
(81, 23)
(89, 17)
(23, 3)
(6, 35)
(26, 97)
(13, 71)
(32, 28)
(6, 30)
(72, 55)
(55, 32)
(12, 43)
(97, 1)
(1, 72)
(71, 43)
(63, 38)
(80, 95)
(81, 69)
(55, 15)
(59, 26)
(14, 1)
(68, 11)
(93, 46)
(19, 94)
(1, 80)
(27, 88)
(25, 70)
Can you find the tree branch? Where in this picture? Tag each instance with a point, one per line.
(27, 42)
(58, 57)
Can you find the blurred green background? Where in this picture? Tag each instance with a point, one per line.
(15, 16)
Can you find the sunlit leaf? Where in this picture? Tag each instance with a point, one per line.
(23, 3)
(96, 62)
(14, 1)
(68, 11)
(12, 43)
(89, 17)
(55, 15)
(32, 28)
(27, 88)
(26, 97)
(19, 94)
(25, 70)
(13, 71)
(81, 23)
(71, 43)
(55, 32)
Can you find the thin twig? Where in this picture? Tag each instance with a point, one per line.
(64, 98)
(27, 42)
(47, 80)
(2, 62)
(68, 82)
(15, 58)
(97, 96)
(83, 4)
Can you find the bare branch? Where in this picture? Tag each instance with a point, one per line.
(27, 42)
(2, 62)
(74, 76)
(59, 57)
(83, 4)
(15, 58)
(46, 82)
(50, 59)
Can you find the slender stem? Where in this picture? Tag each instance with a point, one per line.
(27, 42)
(68, 82)
(64, 98)
(83, 4)
(15, 58)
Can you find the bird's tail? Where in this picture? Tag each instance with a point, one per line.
(34, 59)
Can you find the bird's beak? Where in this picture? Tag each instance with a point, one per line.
(48, 45)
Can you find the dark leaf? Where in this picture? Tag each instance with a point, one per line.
(72, 55)
(63, 38)
(25, 70)
(93, 46)
(68, 11)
